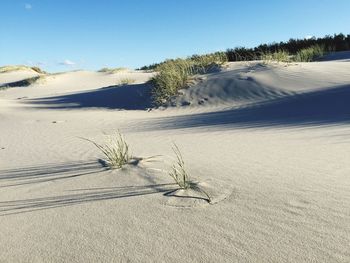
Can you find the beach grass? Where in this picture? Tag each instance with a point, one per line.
(181, 175)
(116, 150)
(174, 74)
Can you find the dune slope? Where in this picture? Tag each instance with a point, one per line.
(270, 143)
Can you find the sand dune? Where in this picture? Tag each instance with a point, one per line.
(270, 143)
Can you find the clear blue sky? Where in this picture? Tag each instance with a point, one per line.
(90, 34)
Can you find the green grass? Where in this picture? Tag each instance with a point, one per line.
(304, 55)
(178, 171)
(310, 54)
(116, 151)
(278, 56)
(175, 74)
(181, 176)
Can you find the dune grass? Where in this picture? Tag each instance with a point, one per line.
(178, 171)
(278, 56)
(116, 151)
(112, 70)
(126, 81)
(310, 54)
(24, 83)
(175, 74)
(11, 68)
(181, 176)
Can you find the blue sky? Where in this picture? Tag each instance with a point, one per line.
(91, 34)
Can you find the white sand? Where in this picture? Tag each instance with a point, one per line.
(271, 144)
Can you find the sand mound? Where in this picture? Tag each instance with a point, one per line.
(227, 87)
(206, 193)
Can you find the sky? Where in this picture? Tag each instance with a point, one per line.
(91, 34)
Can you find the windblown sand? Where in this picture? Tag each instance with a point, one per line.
(270, 143)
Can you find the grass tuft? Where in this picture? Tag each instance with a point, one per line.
(278, 56)
(181, 176)
(116, 151)
(310, 54)
(178, 171)
(175, 74)
(126, 81)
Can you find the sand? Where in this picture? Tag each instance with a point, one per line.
(270, 143)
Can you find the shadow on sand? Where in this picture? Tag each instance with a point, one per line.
(47, 173)
(322, 107)
(40, 174)
(86, 196)
(126, 97)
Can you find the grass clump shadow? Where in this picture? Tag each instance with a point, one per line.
(181, 176)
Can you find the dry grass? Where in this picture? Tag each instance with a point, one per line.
(278, 56)
(11, 68)
(113, 70)
(126, 81)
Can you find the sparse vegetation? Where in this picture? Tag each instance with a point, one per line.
(178, 171)
(310, 54)
(279, 56)
(20, 67)
(181, 176)
(175, 74)
(126, 81)
(22, 83)
(112, 70)
(116, 151)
